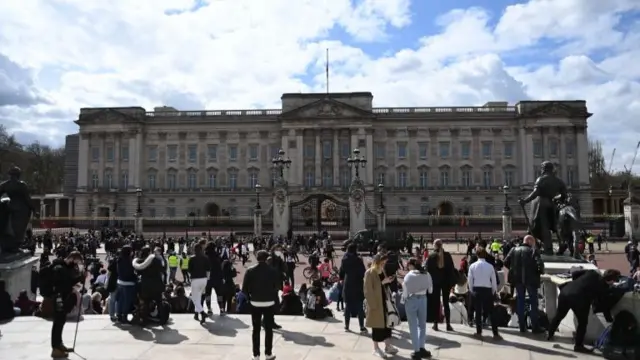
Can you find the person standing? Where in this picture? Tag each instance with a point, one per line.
(199, 270)
(351, 274)
(416, 286)
(173, 262)
(184, 268)
(443, 273)
(376, 295)
(483, 286)
(525, 267)
(261, 284)
(65, 275)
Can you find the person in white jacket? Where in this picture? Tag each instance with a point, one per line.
(416, 285)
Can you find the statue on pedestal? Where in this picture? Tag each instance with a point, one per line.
(15, 215)
(547, 190)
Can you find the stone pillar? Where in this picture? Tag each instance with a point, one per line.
(138, 224)
(582, 150)
(132, 161)
(17, 275)
(69, 208)
(357, 207)
(43, 209)
(140, 160)
(281, 211)
(83, 161)
(57, 208)
(632, 217)
(336, 159)
(257, 222)
(506, 223)
(382, 219)
(318, 158)
(369, 179)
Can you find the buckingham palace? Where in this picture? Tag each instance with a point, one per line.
(430, 160)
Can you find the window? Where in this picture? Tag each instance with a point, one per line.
(95, 154)
(443, 149)
(151, 212)
(402, 178)
(108, 180)
(402, 150)
(233, 153)
(381, 178)
(253, 180)
(381, 151)
(110, 154)
(309, 179)
(192, 180)
(212, 153)
(508, 150)
(571, 176)
(444, 177)
(345, 149)
(345, 178)
(193, 153)
(151, 179)
(487, 177)
(274, 150)
(309, 151)
(509, 177)
(253, 152)
(172, 153)
(125, 180)
(487, 149)
(465, 150)
(423, 150)
(212, 180)
(424, 210)
(152, 153)
(233, 180)
(570, 147)
(424, 178)
(124, 155)
(404, 210)
(327, 178)
(362, 143)
(95, 181)
(537, 148)
(488, 210)
(326, 150)
(465, 178)
(172, 180)
(171, 212)
(293, 144)
(553, 147)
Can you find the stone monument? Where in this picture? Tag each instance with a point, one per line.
(281, 211)
(507, 220)
(357, 207)
(632, 215)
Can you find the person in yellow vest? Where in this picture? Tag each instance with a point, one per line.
(173, 261)
(184, 268)
(496, 247)
(590, 241)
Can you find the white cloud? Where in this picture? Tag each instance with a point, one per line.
(245, 53)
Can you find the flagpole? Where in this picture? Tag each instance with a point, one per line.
(327, 69)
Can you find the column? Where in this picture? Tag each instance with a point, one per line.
(139, 159)
(583, 156)
(69, 208)
(523, 155)
(117, 179)
(336, 158)
(57, 208)
(300, 147)
(382, 219)
(562, 155)
(132, 161)
(506, 224)
(257, 222)
(102, 158)
(285, 148)
(354, 144)
(43, 209)
(530, 177)
(83, 161)
(318, 160)
(369, 157)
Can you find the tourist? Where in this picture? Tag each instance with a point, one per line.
(416, 285)
(375, 294)
(351, 274)
(443, 273)
(484, 286)
(199, 270)
(126, 292)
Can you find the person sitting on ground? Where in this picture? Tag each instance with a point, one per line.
(290, 304)
(27, 306)
(302, 293)
(317, 302)
(179, 302)
(7, 310)
(96, 303)
(242, 302)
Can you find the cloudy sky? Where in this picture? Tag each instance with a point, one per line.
(59, 55)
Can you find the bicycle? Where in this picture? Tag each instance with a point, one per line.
(311, 273)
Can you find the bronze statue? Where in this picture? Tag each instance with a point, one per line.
(15, 213)
(547, 190)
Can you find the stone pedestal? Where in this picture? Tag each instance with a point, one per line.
(257, 222)
(281, 211)
(632, 217)
(357, 207)
(506, 223)
(17, 275)
(382, 219)
(138, 224)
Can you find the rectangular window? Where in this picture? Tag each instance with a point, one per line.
(192, 180)
(345, 150)
(152, 153)
(487, 178)
(570, 147)
(326, 149)
(571, 176)
(508, 150)
(253, 152)
(466, 178)
(381, 151)
(424, 179)
(537, 148)
(381, 177)
(172, 153)
(553, 147)
(193, 153)
(152, 181)
(509, 178)
(444, 149)
(402, 150)
(274, 150)
(444, 178)
(309, 151)
(233, 180)
(487, 149)
(233, 153)
(327, 178)
(309, 179)
(124, 155)
(423, 150)
(465, 150)
(212, 153)
(171, 212)
(125, 180)
(402, 179)
(95, 154)
(345, 178)
(212, 180)
(110, 153)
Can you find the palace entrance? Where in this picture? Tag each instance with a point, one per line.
(319, 212)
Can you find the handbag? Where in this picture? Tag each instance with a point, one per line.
(334, 292)
(393, 316)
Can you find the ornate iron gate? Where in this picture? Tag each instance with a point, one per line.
(371, 220)
(317, 213)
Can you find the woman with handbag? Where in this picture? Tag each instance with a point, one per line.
(376, 297)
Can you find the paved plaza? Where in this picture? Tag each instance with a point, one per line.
(27, 338)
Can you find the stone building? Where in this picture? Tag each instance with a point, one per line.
(431, 160)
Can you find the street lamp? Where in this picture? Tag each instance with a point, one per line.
(356, 161)
(280, 163)
(505, 191)
(139, 196)
(381, 191)
(258, 188)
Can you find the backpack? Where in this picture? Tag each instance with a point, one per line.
(619, 341)
(45, 279)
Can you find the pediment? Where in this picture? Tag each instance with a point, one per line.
(326, 108)
(104, 116)
(558, 110)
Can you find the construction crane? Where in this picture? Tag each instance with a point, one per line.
(633, 161)
(611, 161)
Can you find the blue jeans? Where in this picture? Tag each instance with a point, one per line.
(353, 308)
(521, 291)
(126, 296)
(416, 309)
(113, 297)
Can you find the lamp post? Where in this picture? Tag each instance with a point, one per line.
(505, 192)
(139, 196)
(258, 188)
(356, 161)
(280, 163)
(381, 191)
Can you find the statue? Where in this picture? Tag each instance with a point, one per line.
(547, 190)
(570, 229)
(15, 214)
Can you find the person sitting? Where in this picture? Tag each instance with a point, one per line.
(325, 271)
(290, 304)
(7, 310)
(96, 303)
(242, 302)
(27, 306)
(302, 293)
(179, 302)
(316, 306)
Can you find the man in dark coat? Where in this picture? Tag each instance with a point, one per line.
(587, 288)
(351, 274)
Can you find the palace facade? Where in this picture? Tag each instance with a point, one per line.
(431, 160)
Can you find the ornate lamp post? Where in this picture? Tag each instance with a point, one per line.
(139, 196)
(280, 163)
(258, 188)
(381, 191)
(356, 161)
(138, 223)
(505, 192)
(507, 224)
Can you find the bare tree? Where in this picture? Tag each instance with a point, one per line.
(597, 164)
(45, 171)
(10, 151)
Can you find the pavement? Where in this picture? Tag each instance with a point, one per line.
(229, 337)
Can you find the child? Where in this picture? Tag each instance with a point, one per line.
(325, 271)
(316, 305)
